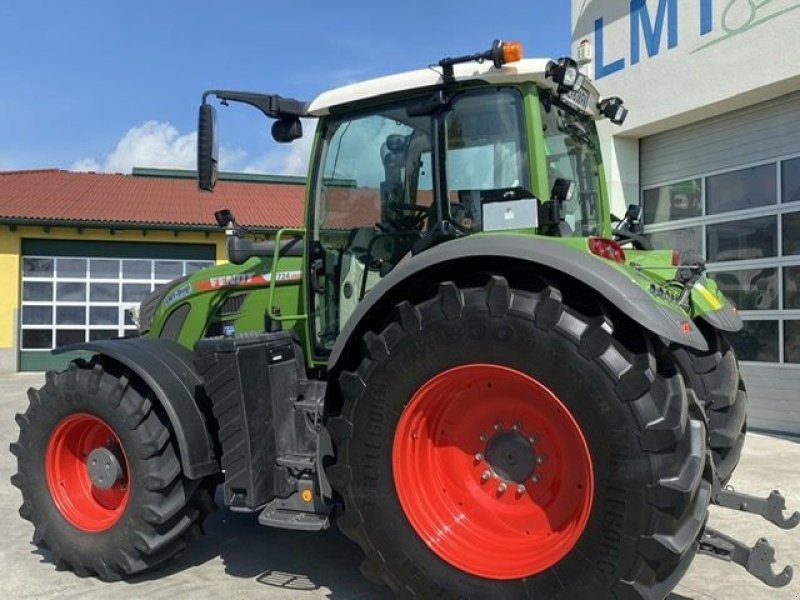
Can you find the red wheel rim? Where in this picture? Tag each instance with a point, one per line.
(82, 503)
(492, 471)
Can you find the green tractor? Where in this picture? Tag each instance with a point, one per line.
(459, 360)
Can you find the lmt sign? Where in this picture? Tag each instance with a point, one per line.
(650, 28)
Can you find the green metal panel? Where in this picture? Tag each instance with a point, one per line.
(95, 249)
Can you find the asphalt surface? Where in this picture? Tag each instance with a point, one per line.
(239, 559)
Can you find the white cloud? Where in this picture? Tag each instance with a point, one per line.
(86, 164)
(286, 159)
(156, 144)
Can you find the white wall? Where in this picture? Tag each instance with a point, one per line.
(696, 59)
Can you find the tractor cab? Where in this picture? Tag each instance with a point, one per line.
(480, 144)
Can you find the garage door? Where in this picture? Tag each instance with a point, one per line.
(78, 291)
(730, 187)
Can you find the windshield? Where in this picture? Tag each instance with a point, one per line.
(573, 152)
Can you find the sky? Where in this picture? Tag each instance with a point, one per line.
(105, 86)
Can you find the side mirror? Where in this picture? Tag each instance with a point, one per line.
(207, 148)
(224, 217)
(633, 212)
(287, 130)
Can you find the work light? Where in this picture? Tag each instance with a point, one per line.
(613, 109)
(565, 74)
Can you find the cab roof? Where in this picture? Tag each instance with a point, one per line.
(528, 69)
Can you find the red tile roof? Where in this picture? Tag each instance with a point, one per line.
(56, 196)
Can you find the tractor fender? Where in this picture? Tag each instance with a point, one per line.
(617, 288)
(167, 369)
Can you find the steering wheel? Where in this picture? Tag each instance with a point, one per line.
(409, 216)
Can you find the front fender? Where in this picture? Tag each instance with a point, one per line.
(711, 304)
(617, 288)
(167, 369)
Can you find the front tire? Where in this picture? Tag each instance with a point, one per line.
(109, 526)
(714, 377)
(620, 498)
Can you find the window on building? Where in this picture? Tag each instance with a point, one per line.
(790, 175)
(689, 238)
(750, 289)
(742, 240)
(791, 288)
(757, 341)
(791, 339)
(791, 233)
(671, 202)
(742, 189)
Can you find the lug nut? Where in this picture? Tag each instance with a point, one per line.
(486, 475)
(541, 458)
(535, 478)
(517, 426)
(520, 489)
(498, 426)
(478, 457)
(532, 439)
(501, 489)
(484, 437)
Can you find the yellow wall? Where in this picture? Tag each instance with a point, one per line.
(10, 262)
(9, 286)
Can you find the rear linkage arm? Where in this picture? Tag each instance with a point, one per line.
(771, 507)
(759, 559)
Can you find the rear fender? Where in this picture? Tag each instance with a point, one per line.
(166, 368)
(616, 287)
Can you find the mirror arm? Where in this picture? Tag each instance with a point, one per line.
(272, 105)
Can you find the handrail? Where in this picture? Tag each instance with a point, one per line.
(273, 280)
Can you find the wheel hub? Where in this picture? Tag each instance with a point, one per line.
(511, 456)
(104, 468)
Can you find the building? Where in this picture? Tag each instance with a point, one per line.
(76, 249)
(711, 151)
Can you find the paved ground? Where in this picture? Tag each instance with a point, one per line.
(238, 559)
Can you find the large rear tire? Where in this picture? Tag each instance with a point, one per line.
(495, 443)
(714, 377)
(100, 476)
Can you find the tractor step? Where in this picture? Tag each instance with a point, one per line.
(275, 514)
(757, 560)
(771, 507)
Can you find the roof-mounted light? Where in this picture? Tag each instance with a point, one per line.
(565, 74)
(505, 52)
(614, 109)
(500, 53)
